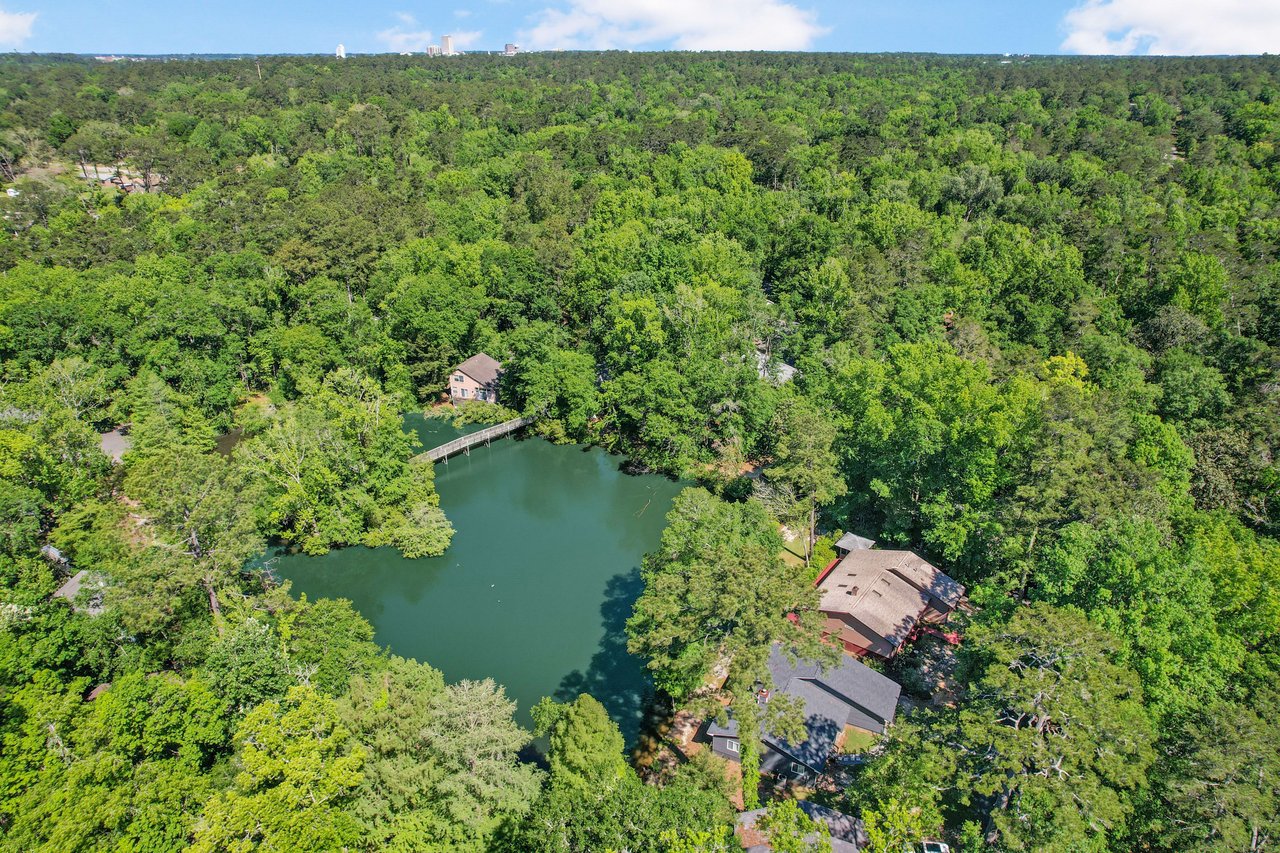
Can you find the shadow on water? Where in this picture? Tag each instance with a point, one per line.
(614, 677)
(534, 752)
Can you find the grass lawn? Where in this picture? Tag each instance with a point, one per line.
(857, 741)
(790, 557)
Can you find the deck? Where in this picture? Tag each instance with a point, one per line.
(466, 442)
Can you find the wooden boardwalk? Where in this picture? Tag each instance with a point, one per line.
(466, 442)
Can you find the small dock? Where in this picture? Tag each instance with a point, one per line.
(466, 442)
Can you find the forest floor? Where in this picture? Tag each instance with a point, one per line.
(43, 171)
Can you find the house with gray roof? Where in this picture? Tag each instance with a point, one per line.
(849, 695)
(475, 379)
(84, 592)
(846, 833)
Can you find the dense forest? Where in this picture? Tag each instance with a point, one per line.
(1034, 307)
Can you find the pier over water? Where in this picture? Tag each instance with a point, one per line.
(466, 442)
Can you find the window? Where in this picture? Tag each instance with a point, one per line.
(731, 745)
(482, 395)
(797, 768)
(457, 377)
(462, 392)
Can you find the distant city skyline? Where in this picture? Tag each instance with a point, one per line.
(381, 26)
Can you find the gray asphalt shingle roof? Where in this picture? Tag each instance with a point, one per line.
(482, 368)
(848, 694)
(71, 588)
(825, 716)
(854, 542)
(847, 832)
(852, 681)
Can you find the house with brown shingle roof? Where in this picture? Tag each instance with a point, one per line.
(475, 379)
(874, 600)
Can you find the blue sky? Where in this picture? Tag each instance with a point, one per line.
(376, 26)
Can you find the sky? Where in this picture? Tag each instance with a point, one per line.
(380, 26)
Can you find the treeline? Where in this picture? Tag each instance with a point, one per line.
(1032, 304)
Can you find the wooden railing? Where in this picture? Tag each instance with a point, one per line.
(466, 442)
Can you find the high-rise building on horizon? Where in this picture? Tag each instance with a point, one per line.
(341, 52)
(446, 45)
(433, 50)
(510, 49)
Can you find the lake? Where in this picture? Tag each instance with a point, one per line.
(538, 584)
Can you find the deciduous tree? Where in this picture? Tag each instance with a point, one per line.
(297, 771)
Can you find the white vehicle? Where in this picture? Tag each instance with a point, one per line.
(935, 847)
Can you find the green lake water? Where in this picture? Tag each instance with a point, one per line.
(537, 586)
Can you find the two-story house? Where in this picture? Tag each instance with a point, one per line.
(475, 379)
(873, 600)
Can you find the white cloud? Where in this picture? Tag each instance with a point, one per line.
(685, 24)
(15, 27)
(466, 38)
(1173, 27)
(403, 37)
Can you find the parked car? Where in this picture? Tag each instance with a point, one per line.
(935, 847)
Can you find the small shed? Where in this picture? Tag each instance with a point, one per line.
(853, 542)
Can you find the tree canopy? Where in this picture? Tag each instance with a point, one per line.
(1017, 315)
